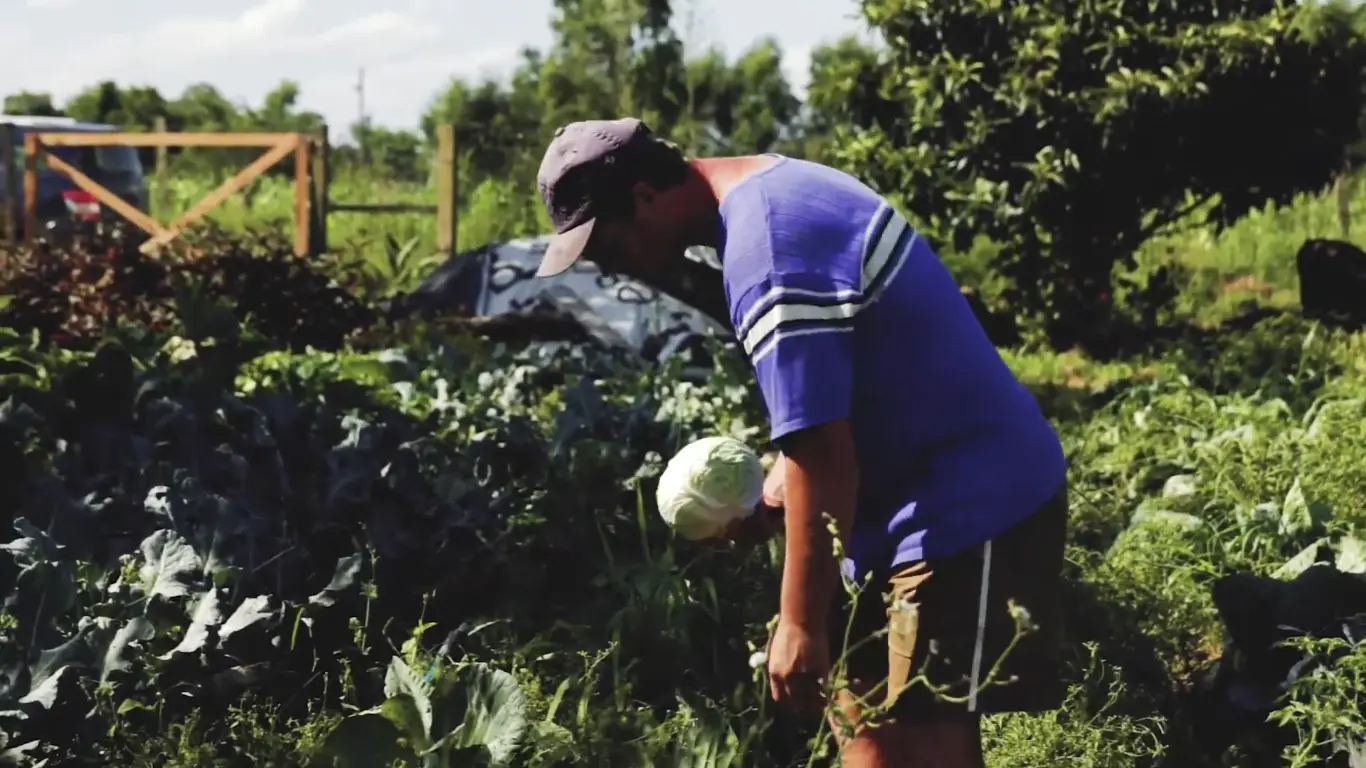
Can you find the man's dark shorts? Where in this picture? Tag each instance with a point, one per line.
(943, 624)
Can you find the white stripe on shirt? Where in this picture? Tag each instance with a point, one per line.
(779, 314)
(772, 342)
(766, 319)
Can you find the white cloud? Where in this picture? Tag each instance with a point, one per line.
(389, 26)
(259, 27)
(272, 14)
(12, 37)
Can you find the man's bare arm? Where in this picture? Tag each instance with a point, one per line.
(820, 476)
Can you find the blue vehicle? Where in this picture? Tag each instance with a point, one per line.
(117, 168)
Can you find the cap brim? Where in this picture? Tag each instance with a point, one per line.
(565, 249)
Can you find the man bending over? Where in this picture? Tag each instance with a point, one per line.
(894, 413)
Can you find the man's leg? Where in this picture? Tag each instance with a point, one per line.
(952, 742)
(950, 621)
(900, 737)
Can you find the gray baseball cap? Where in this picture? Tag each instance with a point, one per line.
(587, 171)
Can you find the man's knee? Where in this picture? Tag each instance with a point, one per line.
(953, 743)
(950, 742)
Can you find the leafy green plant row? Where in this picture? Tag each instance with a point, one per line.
(439, 551)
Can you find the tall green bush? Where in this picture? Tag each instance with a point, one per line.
(1070, 131)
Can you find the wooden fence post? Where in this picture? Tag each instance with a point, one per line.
(447, 218)
(161, 192)
(31, 149)
(303, 194)
(319, 181)
(11, 182)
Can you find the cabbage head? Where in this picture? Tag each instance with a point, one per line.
(707, 485)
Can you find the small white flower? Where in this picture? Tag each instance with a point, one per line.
(758, 659)
(1021, 616)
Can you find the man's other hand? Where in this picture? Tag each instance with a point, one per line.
(773, 483)
(767, 519)
(756, 529)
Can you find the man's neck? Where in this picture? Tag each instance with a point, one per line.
(715, 177)
(723, 174)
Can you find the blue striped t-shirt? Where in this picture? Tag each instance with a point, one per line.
(846, 312)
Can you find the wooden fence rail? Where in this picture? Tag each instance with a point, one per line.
(278, 146)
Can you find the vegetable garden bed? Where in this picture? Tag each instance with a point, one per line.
(255, 521)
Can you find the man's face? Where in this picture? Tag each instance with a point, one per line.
(645, 246)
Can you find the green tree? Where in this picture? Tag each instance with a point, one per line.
(30, 103)
(843, 73)
(738, 108)
(1070, 132)
(620, 57)
(396, 154)
(279, 112)
(202, 107)
(496, 127)
(1353, 14)
(134, 108)
(611, 58)
(761, 105)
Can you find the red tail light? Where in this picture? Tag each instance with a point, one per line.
(81, 204)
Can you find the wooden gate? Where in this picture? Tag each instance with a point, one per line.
(278, 146)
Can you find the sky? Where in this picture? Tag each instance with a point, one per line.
(409, 49)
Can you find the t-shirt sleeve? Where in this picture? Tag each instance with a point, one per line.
(797, 330)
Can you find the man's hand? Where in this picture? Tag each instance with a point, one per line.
(798, 665)
(775, 494)
(756, 529)
(767, 519)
